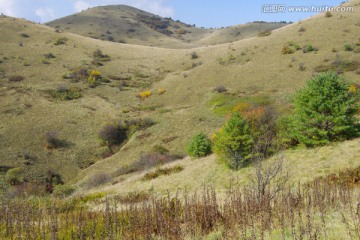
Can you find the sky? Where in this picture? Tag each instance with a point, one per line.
(202, 13)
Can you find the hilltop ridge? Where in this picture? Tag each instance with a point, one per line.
(124, 24)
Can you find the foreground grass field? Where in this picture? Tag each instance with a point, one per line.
(323, 209)
(301, 165)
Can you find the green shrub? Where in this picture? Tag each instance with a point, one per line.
(199, 146)
(49, 55)
(194, 55)
(63, 190)
(60, 41)
(112, 134)
(348, 47)
(14, 176)
(233, 142)
(309, 48)
(24, 35)
(65, 93)
(52, 179)
(51, 140)
(324, 111)
(297, 47)
(117, 133)
(100, 57)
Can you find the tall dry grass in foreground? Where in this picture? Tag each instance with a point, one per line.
(318, 210)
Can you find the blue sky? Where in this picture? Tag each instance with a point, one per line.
(204, 13)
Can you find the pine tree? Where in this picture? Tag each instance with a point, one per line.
(200, 146)
(324, 111)
(233, 143)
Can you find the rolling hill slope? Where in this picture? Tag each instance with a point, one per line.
(126, 24)
(253, 70)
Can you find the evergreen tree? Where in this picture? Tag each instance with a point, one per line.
(324, 111)
(233, 143)
(200, 146)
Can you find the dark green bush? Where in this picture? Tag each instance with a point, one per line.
(309, 48)
(60, 41)
(51, 140)
(49, 55)
(348, 47)
(112, 134)
(65, 93)
(324, 111)
(100, 57)
(199, 146)
(24, 35)
(194, 55)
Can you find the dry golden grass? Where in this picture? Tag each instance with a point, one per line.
(303, 165)
(126, 25)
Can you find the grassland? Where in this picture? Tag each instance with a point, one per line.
(129, 25)
(252, 69)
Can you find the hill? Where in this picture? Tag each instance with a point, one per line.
(44, 90)
(126, 24)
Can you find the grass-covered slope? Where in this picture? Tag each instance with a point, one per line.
(126, 24)
(253, 70)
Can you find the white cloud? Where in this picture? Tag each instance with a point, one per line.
(45, 10)
(154, 6)
(45, 14)
(7, 7)
(81, 5)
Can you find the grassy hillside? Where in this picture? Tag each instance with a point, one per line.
(253, 70)
(126, 24)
